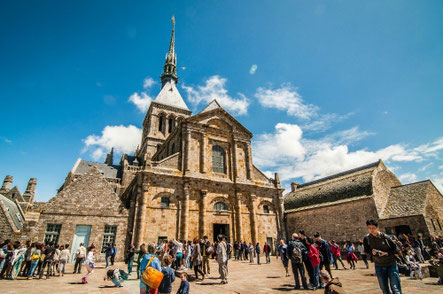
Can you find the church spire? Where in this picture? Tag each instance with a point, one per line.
(170, 67)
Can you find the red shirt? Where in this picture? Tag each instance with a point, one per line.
(335, 249)
(313, 256)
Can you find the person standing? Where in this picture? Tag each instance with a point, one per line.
(168, 276)
(141, 252)
(236, 250)
(257, 251)
(79, 258)
(307, 263)
(314, 258)
(297, 252)
(64, 257)
(251, 252)
(222, 258)
(267, 251)
(282, 251)
(351, 258)
(89, 263)
(383, 251)
(197, 259)
(325, 253)
(108, 253)
(245, 250)
(418, 252)
(205, 246)
(47, 261)
(114, 253)
(361, 250)
(335, 250)
(35, 259)
(155, 263)
(130, 257)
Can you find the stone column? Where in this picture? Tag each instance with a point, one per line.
(188, 150)
(141, 215)
(238, 217)
(278, 202)
(185, 212)
(252, 200)
(203, 204)
(204, 145)
(234, 159)
(178, 218)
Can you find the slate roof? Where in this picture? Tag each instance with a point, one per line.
(109, 171)
(407, 200)
(349, 184)
(169, 95)
(14, 212)
(211, 106)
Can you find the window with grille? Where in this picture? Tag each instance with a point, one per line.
(52, 233)
(108, 236)
(165, 202)
(265, 209)
(220, 206)
(218, 159)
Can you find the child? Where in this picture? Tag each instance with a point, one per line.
(116, 276)
(89, 262)
(169, 276)
(184, 285)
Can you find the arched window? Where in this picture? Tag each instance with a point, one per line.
(218, 159)
(265, 209)
(160, 123)
(171, 125)
(220, 206)
(165, 202)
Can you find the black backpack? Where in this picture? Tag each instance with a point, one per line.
(296, 254)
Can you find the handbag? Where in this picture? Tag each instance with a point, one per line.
(151, 276)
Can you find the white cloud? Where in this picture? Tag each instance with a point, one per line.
(253, 69)
(293, 156)
(323, 122)
(215, 88)
(124, 139)
(438, 182)
(408, 178)
(286, 98)
(143, 100)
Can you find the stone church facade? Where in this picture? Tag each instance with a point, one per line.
(192, 175)
(339, 205)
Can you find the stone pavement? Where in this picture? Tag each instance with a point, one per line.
(243, 278)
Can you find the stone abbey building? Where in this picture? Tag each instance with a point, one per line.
(192, 175)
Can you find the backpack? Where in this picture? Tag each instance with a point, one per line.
(296, 256)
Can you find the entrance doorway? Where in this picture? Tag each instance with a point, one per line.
(222, 229)
(403, 229)
(81, 236)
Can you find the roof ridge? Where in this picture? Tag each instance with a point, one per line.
(413, 183)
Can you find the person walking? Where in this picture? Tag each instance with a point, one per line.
(114, 253)
(282, 251)
(336, 255)
(361, 250)
(141, 252)
(197, 259)
(325, 253)
(155, 263)
(130, 257)
(257, 251)
(383, 251)
(267, 251)
(79, 259)
(351, 258)
(108, 254)
(89, 263)
(63, 260)
(297, 252)
(314, 258)
(168, 276)
(222, 258)
(205, 247)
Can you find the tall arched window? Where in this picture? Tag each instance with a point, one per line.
(220, 206)
(218, 159)
(160, 123)
(171, 125)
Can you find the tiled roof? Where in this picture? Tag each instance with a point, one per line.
(349, 184)
(407, 200)
(211, 106)
(108, 171)
(13, 211)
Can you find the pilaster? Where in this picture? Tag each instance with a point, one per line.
(203, 204)
(238, 218)
(252, 201)
(185, 211)
(143, 193)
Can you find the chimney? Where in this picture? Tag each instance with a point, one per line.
(110, 157)
(277, 180)
(7, 183)
(30, 190)
(294, 186)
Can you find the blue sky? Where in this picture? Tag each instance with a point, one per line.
(336, 84)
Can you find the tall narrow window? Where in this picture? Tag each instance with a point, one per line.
(173, 148)
(108, 236)
(218, 159)
(170, 125)
(52, 233)
(433, 224)
(439, 225)
(160, 123)
(165, 202)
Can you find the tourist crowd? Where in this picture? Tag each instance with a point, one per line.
(311, 259)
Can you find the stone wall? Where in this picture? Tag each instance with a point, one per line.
(6, 231)
(416, 223)
(340, 222)
(434, 211)
(382, 182)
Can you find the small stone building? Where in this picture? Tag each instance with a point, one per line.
(339, 205)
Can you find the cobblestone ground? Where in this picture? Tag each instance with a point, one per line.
(243, 278)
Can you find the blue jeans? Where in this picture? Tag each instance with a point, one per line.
(130, 263)
(107, 261)
(316, 276)
(388, 276)
(34, 264)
